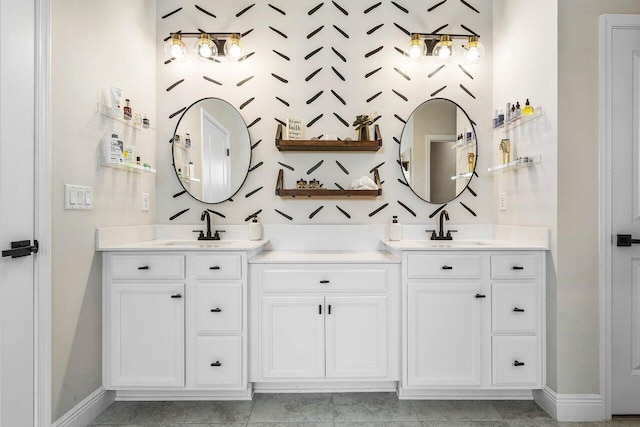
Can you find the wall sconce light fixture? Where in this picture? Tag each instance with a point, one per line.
(442, 48)
(207, 47)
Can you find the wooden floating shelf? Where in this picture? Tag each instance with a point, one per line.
(327, 145)
(324, 192)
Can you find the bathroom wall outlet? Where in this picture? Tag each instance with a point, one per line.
(145, 202)
(503, 201)
(78, 197)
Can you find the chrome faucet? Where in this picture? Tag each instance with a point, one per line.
(440, 235)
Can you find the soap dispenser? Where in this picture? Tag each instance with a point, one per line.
(255, 229)
(395, 229)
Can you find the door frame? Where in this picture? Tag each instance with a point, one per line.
(608, 23)
(42, 223)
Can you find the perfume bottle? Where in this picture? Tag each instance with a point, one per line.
(127, 110)
(471, 162)
(137, 121)
(518, 110)
(528, 109)
(145, 122)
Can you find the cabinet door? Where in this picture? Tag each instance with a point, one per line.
(357, 337)
(146, 339)
(444, 334)
(292, 340)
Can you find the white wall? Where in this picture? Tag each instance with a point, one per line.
(578, 335)
(297, 24)
(526, 66)
(94, 45)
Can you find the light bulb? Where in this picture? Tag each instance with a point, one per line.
(233, 47)
(175, 47)
(474, 50)
(444, 50)
(416, 49)
(206, 48)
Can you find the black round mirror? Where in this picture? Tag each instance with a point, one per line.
(438, 151)
(211, 150)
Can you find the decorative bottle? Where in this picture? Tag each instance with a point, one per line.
(395, 230)
(255, 229)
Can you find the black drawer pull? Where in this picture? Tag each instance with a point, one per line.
(329, 309)
(324, 282)
(319, 308)
(176, 296)
(480, 296)
(518, 310)
(215, 267)
(216, 310)
(447, 267)
(216, 364)
(516, 363)
(146, 267)
(517, 267)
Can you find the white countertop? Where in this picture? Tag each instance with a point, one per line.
(186, 245)
(456, 245)
(324, 257)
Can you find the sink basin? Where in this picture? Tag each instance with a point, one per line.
(451, 243)
(196, 243)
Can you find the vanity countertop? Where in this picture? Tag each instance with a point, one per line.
(466, 245)
(186, 245)
(324, 257)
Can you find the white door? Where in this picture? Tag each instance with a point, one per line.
(147, 335)
(17, 122)
(216, 165)
(292, 337)
(445, 334)
(356, 337)
(624, 109)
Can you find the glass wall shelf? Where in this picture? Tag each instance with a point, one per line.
(463, 144)
(108, 112)
(506, 127)
(522, 162)
(462, 176)
(128, 167)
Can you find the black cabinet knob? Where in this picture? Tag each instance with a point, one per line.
(324, 282)
(144, 267)
(447, 267)
(518, 310)
(216, 364)
(480, 296)
(517, 267)
(516, 363)
(176, 296)
(216, 310)
(215, 267)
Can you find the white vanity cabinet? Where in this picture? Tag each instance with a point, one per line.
(175, 324)
(473, 322)
(331, 322)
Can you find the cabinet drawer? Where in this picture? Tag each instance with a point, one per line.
(219, 308)
(218, 267)
(325, 278)
(147, 266)
(514, 266)
(516, 361)
(515, 308)
(218, 362)
(421, 266)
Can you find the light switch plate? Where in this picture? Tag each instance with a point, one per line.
(78, 197)
(503, 201)
(145, 202)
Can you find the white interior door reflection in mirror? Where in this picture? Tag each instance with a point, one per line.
(438, 145)
(211, 150)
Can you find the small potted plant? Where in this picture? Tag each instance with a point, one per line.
(361, 124)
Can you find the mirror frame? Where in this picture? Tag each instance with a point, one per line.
(475, 166)
(173, 158)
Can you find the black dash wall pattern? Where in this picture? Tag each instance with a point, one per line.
(253, 215)
(314, 213)
(295, 54)
(217, 213)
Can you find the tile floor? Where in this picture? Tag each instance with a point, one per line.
(334, 410)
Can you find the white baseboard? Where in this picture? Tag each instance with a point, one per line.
(87, 410)
(571, 407)
(463, 394)
(326, 387)
(162, 395)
